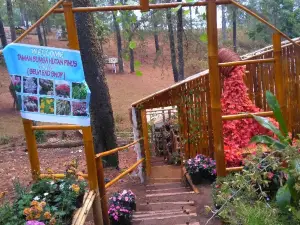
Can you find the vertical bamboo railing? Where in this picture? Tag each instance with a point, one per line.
(146, 142)
(279, 76)
(215, 86)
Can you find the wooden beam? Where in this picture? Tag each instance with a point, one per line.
(245, 62)
(144, 5)
(247, 115)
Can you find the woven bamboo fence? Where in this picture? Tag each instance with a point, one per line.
(192, 98)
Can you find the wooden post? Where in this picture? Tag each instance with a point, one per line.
(70, 25)
(92, 172)
(102, 190)
(215, 86)
(32, 149)
(279, 76)
(146, 142)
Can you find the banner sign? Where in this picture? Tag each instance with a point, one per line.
(49, 83)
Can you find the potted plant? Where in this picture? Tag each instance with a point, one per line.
(119, 215)
(201, 168)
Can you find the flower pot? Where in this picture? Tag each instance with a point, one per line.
(202, 178)
(129, 205)
(196, 178)
(121, 221)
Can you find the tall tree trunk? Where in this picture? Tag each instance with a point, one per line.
(39, 34)
(172, 45)
(191, 18)
(2, 34)
(26, 19)
(180, 44)
(119, 40)
(234, 29)
(44, 34)
(224, 22)
(156, 41)
(131, 55)
(10, 16)
(102, 120)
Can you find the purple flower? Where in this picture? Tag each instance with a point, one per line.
(116, 218)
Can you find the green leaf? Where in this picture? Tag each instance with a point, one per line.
(119, 19)
(203, 37)
(186, 12)
(132, 45)
(204, 16)
(138, 73)
(270, 126)
(283, 197)
(264, 139)
(176, 9)
(274, 105)
(137, 64)
(190, 1)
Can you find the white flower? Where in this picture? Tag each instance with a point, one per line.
(45, 194)
(36, 198)
(124, 192)
(52, 182)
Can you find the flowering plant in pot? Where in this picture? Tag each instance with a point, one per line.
(125, 198)
(119, 215)
(201, 168)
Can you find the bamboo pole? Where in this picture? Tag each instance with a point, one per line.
(102, 154)
(215, 86)
(263, 21)
(279, 78)
(70, 25)
(144, 5)
(138, 7)
(92, 172)
(130, 169)
(146, 142)
(32, 148)
(247, 115)
(102, 190)
(245, 62)
(57, 127)
(234, 169)
(60, 175)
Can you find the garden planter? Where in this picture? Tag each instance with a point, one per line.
(202, 178)
(121, 221)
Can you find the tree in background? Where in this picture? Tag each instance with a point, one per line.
(224, 23)
(102, 119)
(180, 43)
(10, 16)
(2, 34)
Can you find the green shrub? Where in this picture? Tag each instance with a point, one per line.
(4, 140)
(40, 136)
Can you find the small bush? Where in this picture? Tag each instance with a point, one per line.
(4, 140)
(40, 136)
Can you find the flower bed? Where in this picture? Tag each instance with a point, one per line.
(47, 201)
(121, 207)
(201, 169)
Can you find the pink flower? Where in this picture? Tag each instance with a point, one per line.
(270, 175)
(126, 199)
(116, 218)
(114, 199)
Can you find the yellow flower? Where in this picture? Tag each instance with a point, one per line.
(48, 101)
(37, 216)
(52, 221)
(51, 110)
(47, 215)
(42, 105)
(75, 188)
(26, 211)
(29, 217)
(43, 204)
(39, 208)
(50, 171)
(34, 203)
(80, 178)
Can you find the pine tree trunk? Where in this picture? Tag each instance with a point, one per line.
(224, 22)
(44, 34)
(155, 25)
(2, 34)
(234, 29)
(180, 44)
(102, 120)
(172, 45)
(119, 41)
(39, 34)
(131, 56)
(191, 18)
(10, 16)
